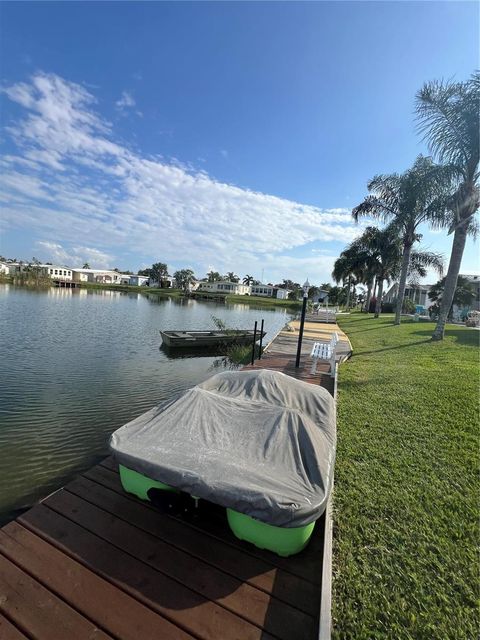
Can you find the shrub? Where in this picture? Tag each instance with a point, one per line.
(408, 306)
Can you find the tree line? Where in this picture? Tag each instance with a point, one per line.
(441, 191)
(158, 272)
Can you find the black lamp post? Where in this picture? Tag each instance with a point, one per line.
(306, 287)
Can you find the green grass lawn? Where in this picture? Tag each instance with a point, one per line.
(406, 501)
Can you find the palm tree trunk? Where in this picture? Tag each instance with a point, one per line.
(348, 294)
(407, 249)
(451, 281)
(369, 295)
(378, 304)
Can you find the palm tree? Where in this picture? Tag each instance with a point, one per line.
(248, 279)
(417, 196)
(381, 250)
(448, 117)
(232, 277)
(367, 276)
(213, 276)
(86, 266)
(343, 271)
(353, 267)
(383, 247)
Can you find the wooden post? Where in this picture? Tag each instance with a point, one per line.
(261, 340)
(254, 341)
(300, 335)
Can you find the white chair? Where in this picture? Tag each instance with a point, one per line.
(325, 351)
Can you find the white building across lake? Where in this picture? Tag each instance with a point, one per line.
(239, 289)
(54, 271)
(101, 276)
(224, 286)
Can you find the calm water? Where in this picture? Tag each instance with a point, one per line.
(78, 364)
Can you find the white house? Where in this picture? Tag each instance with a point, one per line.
(103, 276)
(264, 290)
(282, 294)
(269, 291)
(11, 268)
(239, 289)
(57, 272)
(418, 294)
(224, 286)
(138, 281)
(54, 271)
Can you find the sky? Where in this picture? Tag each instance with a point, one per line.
(233, 136)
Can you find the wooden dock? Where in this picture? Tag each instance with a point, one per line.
(92, 562)
(280, 354)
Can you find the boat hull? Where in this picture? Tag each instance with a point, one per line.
(196, 339)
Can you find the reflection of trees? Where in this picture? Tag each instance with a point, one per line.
(224, 363)
(153, 298)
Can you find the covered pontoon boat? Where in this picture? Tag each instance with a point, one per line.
(259, 443)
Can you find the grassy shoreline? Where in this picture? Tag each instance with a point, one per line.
(128, 288)
(266, 302)
(406, 488)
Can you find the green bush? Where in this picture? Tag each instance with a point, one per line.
(408, 306)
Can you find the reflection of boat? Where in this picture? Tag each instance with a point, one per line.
(208, 338)
(172, 353)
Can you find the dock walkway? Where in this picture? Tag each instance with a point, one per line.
(92, 562)
(280, 354)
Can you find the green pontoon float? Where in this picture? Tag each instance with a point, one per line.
(259, 443)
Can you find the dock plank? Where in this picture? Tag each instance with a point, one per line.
(306, 565)
(283, 585)
(106, 605)
(171, 599)
(207, 581)
(38, 612)
(8, 631)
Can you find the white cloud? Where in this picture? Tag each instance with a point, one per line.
(75, 256)
(77, 181)
(125, 101)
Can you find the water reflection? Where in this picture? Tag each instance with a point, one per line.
(194, 352)
(79, 363)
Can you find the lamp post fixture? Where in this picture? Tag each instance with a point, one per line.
(306, 287)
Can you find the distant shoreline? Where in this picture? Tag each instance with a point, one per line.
(173, 293)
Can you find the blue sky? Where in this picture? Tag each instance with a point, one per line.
(233, 136)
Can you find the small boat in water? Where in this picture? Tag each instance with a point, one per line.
(209, 338)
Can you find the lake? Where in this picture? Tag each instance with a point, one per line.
(77, 364)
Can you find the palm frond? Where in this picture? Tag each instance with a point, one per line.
(448, 119)
(421, 260)
(420, 194)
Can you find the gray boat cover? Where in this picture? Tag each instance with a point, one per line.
(258, 442)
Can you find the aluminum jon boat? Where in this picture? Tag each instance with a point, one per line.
(209, 338)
